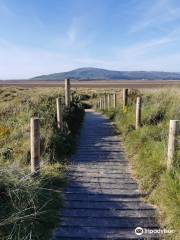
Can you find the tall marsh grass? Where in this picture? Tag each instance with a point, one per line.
(147, 151)
(29, 207)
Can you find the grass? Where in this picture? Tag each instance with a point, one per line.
(29, 206)
(147, 151)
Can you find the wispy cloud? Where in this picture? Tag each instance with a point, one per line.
(159, 63)
(31, 46)
(5, 10)
(21, 62)
(151, 54)
(76, 37)
(146, 47)
(17, 61)
(73, 30)
(154, 14)
(24, 62)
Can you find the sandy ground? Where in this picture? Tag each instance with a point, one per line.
(95, 84)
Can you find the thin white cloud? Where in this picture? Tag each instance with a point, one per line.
(159, 63)
(76, 36)
(5, 11)
(72, 34)
(145, 48)
(72, 50)
(21, 62)
(74, 30)
(24, 62)
(159, 12)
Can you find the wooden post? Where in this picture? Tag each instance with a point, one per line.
(72, 97)
(114, 100)
(35, 145)
(173, 131)
(138, 112)
(67, 92)
(96, 105)
(105, 102)
(108, 101)
(101, 103)
(125, 98)
(59, 112)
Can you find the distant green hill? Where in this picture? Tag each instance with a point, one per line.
(97, 73)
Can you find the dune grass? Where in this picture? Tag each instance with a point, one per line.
(29, 206)
(147, 152)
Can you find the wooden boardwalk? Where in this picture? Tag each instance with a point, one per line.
(102, 200)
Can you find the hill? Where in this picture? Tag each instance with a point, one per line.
(97, 73)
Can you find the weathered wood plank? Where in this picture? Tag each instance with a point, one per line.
(102, 200)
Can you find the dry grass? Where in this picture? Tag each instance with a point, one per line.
(147, 150)
(28, 206)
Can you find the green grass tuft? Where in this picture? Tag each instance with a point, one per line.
(147, 151)
(29, 206)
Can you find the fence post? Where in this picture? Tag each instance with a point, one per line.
(59, 112)
(102, 103)
(108, 101)
(173, 131)
(114, 100)
(67, 92)
(125, 97)
(96, 105)
(138, 112)
(35, 145)
(105, 101)
(72, 97)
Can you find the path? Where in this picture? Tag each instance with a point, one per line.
(102, 201)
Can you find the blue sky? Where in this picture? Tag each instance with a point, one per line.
(47, 36)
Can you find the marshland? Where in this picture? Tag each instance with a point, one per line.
(30, 205)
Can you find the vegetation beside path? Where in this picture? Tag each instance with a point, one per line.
(147, 151)
(29, 207)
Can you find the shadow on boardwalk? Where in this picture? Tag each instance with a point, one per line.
(102, 200)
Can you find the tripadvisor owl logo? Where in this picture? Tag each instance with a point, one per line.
(139, 231)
